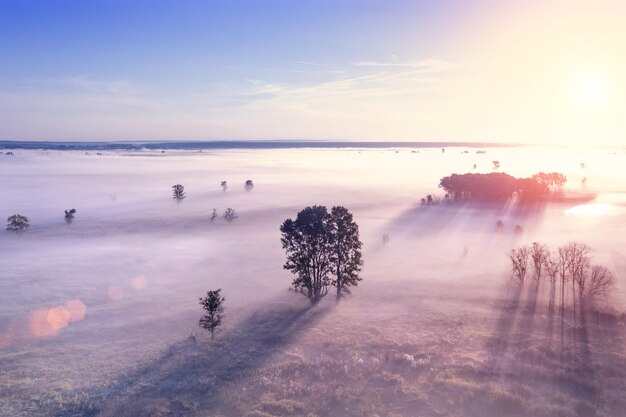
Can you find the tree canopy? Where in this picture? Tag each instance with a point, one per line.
(323, 250)
(495, 186)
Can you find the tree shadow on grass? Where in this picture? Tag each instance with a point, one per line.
(502, 337)
(198, 369)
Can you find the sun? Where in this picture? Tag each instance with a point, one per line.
(589, 88)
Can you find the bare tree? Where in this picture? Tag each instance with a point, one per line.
(224, 185)
(600, 281)
(519, 263)
(579, 261)
(214, 215)
(563, 268)
(213, 304)
(552, 269)
(539, 253)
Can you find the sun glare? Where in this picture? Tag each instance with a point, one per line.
(589, 89)
(594, 209)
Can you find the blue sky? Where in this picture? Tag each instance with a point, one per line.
(341, 69)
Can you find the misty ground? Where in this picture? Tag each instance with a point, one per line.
(436, 328)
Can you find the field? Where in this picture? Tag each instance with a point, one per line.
(437, 327)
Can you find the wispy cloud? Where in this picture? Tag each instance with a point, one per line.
(313, 64)
(427, 65)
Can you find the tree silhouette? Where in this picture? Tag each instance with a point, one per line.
(213, 304)
(539, 253)
(552, 269)
(600, 281)
(493, 187)
(224, 185)
(519, 263)
(346, 259)
(17, 224)
(178, 192)
(249, 185)
(69, 215)
(230, 215)
(307, 241)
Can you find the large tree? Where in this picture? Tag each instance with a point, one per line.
(307, 241)
(346, 258)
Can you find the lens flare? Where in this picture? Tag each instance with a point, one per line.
(39, 325)
(77, 309)
(115, 293)
(140, 282)
(58, 317)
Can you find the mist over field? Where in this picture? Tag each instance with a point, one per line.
(99, 317)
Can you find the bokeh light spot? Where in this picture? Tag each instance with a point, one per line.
(115, 292)
(77, 309)
(58, 317)
(140, 282)
(39, 325)
(5, 339)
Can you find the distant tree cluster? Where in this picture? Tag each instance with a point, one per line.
(431, 200)
(493, 187)
(517, 229)
(323, 251)
(553, 180)
(568, 268)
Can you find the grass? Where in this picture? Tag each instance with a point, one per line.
(449, 358)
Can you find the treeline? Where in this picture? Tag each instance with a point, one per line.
(568, 270)
(498, 186)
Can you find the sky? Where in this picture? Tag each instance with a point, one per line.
(540, 72)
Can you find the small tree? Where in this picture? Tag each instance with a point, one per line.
(496, 164)
(249, 185)
(539, 253)
(519, 263)
(178, 192)
(307, 242)
(230, 215)
(69, 215)
(213, 305)
(17, 224)
(224, 186)
(552, 269)
(346, 259)
(214, 215)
